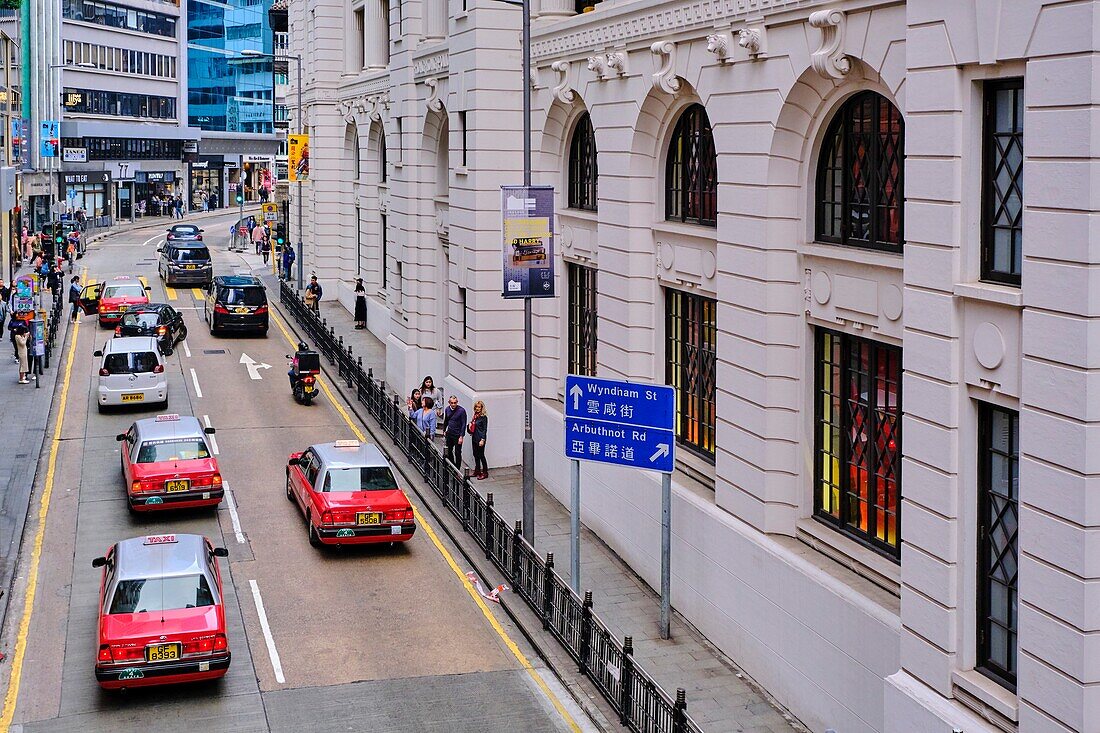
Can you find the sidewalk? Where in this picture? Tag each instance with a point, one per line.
(719, 696)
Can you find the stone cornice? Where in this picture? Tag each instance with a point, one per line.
(657, 21)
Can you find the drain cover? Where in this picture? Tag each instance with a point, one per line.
(213, 351)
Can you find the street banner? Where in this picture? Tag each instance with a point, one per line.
(527, 228)
(298, 157)
(17, 127)
(23, 297)
(50, 138)
(38, 336)
(271, 212)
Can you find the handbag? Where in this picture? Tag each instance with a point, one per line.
(471, 426)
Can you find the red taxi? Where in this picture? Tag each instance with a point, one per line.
(168, 464)
(112, 298)
(349, 495)
(161, 612)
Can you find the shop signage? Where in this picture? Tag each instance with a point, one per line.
(527, 223)
(155, 176)
(298, 157)
(75, 155)
(89, 177)
(190, 146)
(200, 166)
(72, 100)
(123, 171)
(257, 159)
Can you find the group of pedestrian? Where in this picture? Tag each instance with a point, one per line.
(203, 200)
(18, 332)
(425, 408)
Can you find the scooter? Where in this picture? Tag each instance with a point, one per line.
(306, 366)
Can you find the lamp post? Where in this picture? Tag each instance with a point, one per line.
(49, 171)
(297, 59)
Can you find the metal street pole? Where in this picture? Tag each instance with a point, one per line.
(575, 526)
(301, 221)
(528, 440)
(666, 554)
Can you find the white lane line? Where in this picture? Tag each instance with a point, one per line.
(150, 239)
(211, 438)
(195, 381)
(186, 349)
(235, 518)
(276, 665)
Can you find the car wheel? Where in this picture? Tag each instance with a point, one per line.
(263, 333)
(167, 348)
(183, 333)
(313, 538)
(289, 490)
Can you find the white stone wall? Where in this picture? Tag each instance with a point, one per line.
(846, 638)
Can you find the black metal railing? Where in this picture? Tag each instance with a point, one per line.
(641, 703)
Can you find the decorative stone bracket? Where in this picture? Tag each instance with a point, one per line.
(434, 103)
(598, 65)
(616, 62)
(376, 105)
(719, 45)
(828, 60)
(563, 92)
(753, 40)
(665, 78)
(606, 65)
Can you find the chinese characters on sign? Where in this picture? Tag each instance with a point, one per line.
(298, 157)
(527, 223)
(625, 423)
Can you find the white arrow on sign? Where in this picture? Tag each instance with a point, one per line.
(661, 452)
(576, 393)
(253, 367)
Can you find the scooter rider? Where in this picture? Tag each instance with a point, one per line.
(293, 373)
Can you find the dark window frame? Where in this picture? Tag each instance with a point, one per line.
(583, 319)
(691, 170)
(992, 161)
(691, 358)
(863, 145)
(583, 166)
(1000, 673)
(840, 453)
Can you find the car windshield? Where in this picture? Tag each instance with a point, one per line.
(196, 254)
(373, 478)
(172, 450)
(185, 230)
(123, 291)
(134, 362)
(161, 594)
(146, 319)
(242, 296)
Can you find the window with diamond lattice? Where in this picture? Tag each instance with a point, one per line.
(858, 439)
(998, 515)
(859, 176)
(1003, 182)
(691, 170)
(691, 336)
(582, 320)
(583, 172)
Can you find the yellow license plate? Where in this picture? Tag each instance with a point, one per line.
(368, 518)
(133, 397)
(176, 485)
(189, 267)
(240, 310)
(163, 652)
(122, 308)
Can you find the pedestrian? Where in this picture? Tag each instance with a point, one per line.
(54, 280)
(21, 336)
(426, 419)
(412, 404)
(251, 223)
(478, 429)
(313, 294)
(454, 430)
(5, 294)
(360, 305)
(74, 297)
(257, 234)
(428, 389)
(265, 249)
(288, 260)
(82, 219)
(14, 325)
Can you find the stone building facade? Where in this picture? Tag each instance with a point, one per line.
(810, 218)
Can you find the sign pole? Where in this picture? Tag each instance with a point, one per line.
(575, 526)
(666, 554)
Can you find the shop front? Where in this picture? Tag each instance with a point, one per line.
(154, 192)
(206, 183)
(87, 190)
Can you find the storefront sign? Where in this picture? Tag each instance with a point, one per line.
(527, 223)
(75, 155)
(123, 171)
(50, 138)
(298, 157)
(190, 146)
(257, 159)
(80, 179)
(201, 166)
(73, 100)
(154, 176)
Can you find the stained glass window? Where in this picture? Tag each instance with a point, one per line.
(691, 170)
(691, 336)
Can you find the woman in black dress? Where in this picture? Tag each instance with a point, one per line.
(360, 305)
(479, 429)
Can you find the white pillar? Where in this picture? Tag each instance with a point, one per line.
(435, 19)
(556, 8)
(376, 33)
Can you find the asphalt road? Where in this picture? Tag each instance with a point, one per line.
(379, 639)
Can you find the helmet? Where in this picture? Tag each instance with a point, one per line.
(302, 346)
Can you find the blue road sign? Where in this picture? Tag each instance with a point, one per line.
(625, 423)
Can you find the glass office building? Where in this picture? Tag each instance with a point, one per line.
(227, 91)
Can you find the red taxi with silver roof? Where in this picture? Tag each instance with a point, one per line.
(349, 495)
(161, 612)
(168, 463)
(112, 298)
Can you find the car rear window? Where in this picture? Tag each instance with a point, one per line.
(374, 478)
(144, 319)
(161, 594)
(133, 362)
(123, 291)
(185, 230)
(193, 254)
(172, 450)
(242, 296)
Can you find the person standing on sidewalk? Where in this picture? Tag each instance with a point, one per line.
(479, 429)
(20, 337)
(5, 295)
(257, 238)
(360, 305)
(313, 294)
(454, 430)
(288, 260)
(74, 296)
(426, 419)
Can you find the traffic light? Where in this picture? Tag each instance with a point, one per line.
(280, 234)
(240, 199)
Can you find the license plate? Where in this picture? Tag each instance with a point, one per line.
(241, 310)
(368, 518)
(175, 485)
(122, 308)
(163, 652)
(307, 389)
(133, 397)
(190, 267)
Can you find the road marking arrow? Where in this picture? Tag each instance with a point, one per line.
(253, 367)
(661, 452)
(576, 393)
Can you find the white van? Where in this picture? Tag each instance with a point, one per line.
(131, 373)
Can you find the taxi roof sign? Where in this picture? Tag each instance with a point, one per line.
(346, 444)
(170, 417)
(160, 539)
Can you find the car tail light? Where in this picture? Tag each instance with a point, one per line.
(161, 330)
(158, 369)
(326, 517)
(219, 308)
(118, 330)
(199, 237)
(105, 653)
(220, 643)
(261, 310)
(124, 653)
(399, 515)
(102, 307)
(216, 480)
(104, 372)
(136, 487)
(169, 236)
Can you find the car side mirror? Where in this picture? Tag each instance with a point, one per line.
(97, 353)
(201, 231)
(99, 562)
(208, 431)
(149, 289)
(120, 437)
(221, 552)
(294, 462)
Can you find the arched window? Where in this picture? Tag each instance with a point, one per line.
(859, 176)
(691, 171)
(583, 172)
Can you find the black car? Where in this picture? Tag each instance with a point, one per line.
(184, 233)
(236, 303)
(159, 320)
(185, 263)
